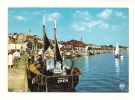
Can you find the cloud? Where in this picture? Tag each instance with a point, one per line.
(77, 27)
(25, 13)
(113, 26)
(87, 26)
(82, 15)
(53, 15)
(20, 18)
(120, 14)
(83, 21)
(36, 13)
(105, 14)
(91, 23)
(31, 13)
(104, 25)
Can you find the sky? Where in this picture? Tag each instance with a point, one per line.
(100, 26)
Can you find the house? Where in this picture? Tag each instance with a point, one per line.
(14, 46)
(74, 45)
(21, 38)
(93, 46)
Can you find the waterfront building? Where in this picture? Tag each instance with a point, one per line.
(75, 45)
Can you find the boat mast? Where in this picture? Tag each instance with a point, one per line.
(55, 42)
(44, 44)
(43, 31)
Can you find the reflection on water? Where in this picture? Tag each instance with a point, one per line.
(86, 62)
(101, 73)
(117, 67)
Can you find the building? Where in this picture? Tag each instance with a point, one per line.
(75, 45)
(21, 38)
(93, 46)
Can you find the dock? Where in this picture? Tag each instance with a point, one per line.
(17, 78)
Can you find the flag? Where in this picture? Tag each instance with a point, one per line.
(58, 55)
(46, 42)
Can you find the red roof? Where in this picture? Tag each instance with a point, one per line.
(75, 43)
(67, 49)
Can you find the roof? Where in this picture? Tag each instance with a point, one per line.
(67, 49)
(75, 43)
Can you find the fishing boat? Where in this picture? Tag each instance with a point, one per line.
(117, 54)
(69, 54)
(45, 77)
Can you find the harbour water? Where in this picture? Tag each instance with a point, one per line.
(102, 73)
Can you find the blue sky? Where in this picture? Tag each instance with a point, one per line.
(100, 26)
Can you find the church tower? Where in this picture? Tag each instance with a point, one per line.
(30, 33)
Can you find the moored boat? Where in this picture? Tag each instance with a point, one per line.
(117, 54)
(44, 77)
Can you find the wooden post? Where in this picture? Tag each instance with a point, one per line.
(46, 84)
(72, 81)
(38, 83)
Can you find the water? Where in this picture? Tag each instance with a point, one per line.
(102, 73)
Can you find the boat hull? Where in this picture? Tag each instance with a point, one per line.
(51, 82)
(118, 56)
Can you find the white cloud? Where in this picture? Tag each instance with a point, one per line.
(87, 26)
(113, 26)
(83, 15)
(20, 18)
(92, 23)
(104, 25)
(25, 12)
(53, 15)
(31, 13)
(105, 14)
(77, 27)
(120, 14)
(84, 21)
(36, 13)
(89, 30)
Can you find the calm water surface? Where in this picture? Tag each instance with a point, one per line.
(102, 73)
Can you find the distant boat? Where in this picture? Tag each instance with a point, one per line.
(117, 54)
(79, 54)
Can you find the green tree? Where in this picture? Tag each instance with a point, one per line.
(39, 45)
(29, 44)
(89, 48)
(35, 41)
(111, 46)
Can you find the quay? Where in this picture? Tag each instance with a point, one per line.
(17, 78)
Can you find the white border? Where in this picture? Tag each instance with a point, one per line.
(5, 95)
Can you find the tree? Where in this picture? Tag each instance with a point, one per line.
(89, 48)
(111, 46)
(35, 41)
(29, 44)
(39, 45)
(15, 36)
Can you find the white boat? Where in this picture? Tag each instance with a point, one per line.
(117, 54)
